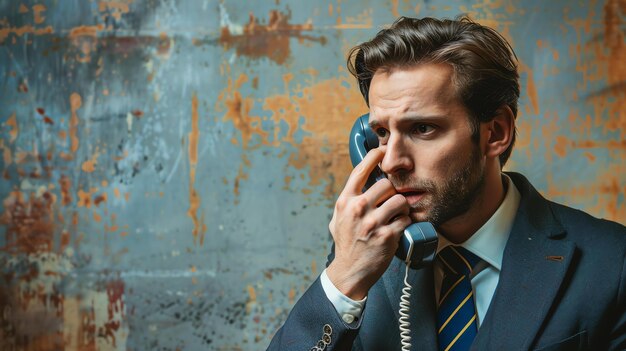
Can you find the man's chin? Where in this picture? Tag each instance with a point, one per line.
(418, 216)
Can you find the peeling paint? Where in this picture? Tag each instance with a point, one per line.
(176, 162)
(194, 199)
(256, 40)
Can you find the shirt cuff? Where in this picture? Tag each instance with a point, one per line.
(349, 310)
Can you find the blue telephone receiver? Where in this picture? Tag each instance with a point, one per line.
(419, 240)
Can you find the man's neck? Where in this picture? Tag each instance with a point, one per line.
(457, 230)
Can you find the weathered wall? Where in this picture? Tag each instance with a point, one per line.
(169, 167)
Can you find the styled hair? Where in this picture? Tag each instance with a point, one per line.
(484, 63)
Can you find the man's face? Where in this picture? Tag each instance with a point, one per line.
(430, 157)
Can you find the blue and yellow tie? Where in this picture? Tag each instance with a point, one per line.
(456, 315)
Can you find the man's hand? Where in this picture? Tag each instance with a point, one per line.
(366, 228)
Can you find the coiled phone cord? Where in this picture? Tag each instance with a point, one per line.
(405, 332)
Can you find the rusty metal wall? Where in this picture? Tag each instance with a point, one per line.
(169, 167)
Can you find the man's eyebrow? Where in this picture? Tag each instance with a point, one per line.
(411, 119)
(373, 124)
(420, 118)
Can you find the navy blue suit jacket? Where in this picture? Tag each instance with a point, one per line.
(562, 287)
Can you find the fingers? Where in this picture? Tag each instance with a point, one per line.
(379, 192)
(388, 220)
(361, 172)
(393, 210)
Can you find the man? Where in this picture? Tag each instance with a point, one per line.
(537, 275)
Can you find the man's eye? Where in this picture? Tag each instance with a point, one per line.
(381, 132)
(424, 129)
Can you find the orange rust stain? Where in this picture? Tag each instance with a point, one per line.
(194, 199)
(12, 122)
(561, 145)
(84, 198)
(531, 89)
(164, 45)
(326, 126)
(23, 9)
(37, 13)
(486, 12)
(75, 103)
(238, 111)
(271, 40)
(115, 310)
(615, 42)
(291, 295)
(603, 192)
(85, 39)
(29, 222)
(590, 156)
(604, 144)
(85, 31)
(100, 199)
(549, 131)
(361, 21)
(114, 8)
(66, 187)
(313, 268)
(241, 175)
(80, 331)
(113, 227)
(286, 79)
(66, 238)
(602, 60)
(251, 298)
(7, 156)
(394, 8)
(4, 32)
(90, 165)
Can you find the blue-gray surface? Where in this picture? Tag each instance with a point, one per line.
(169, 167)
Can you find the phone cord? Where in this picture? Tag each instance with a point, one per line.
(405, 332)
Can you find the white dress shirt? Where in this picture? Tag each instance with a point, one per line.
(487, 243)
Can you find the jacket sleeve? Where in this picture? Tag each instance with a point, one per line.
(314, 324)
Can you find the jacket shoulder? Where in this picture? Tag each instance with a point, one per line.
(578, 222)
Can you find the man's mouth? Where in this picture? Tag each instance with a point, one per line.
(412, 196)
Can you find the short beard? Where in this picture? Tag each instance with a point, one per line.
(451, 197)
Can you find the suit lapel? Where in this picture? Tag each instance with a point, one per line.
(536, 261)
(422, 302)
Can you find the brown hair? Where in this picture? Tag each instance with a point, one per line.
(484, 64)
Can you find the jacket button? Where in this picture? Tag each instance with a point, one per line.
(326, 338)
(327, 329)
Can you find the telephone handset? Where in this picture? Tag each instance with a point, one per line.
(419, 241)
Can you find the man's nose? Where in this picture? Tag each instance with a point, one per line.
(397, 157)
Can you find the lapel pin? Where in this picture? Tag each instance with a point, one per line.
(555, 258)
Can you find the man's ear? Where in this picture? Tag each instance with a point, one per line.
(498, 133)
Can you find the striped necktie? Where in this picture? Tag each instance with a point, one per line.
(456, 314)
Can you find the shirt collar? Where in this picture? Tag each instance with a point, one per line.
(489, 241)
